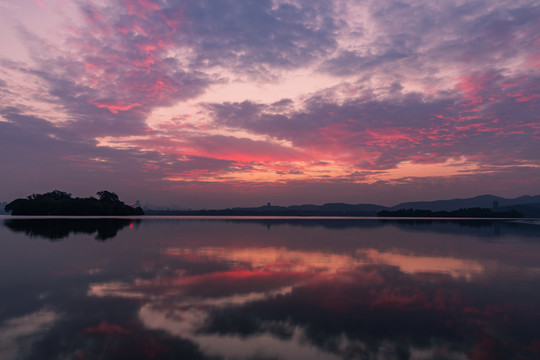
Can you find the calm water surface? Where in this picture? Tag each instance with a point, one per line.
(177, 288)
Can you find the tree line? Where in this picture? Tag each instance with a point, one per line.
(61, 203)
(465, 213)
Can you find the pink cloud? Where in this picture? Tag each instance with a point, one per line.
(140, 7)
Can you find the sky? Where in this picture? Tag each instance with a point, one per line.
(224, 103)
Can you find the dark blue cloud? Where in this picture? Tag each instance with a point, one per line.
(257, 36)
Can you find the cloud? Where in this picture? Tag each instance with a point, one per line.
(478, 120)
(115, 70)
(257, 37)
(60, 152)
(350, 63)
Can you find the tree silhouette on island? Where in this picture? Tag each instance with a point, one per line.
(62, 204)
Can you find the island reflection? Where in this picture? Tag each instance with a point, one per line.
(107, 228)
(57, 228)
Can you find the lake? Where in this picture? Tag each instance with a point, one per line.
(269, 288)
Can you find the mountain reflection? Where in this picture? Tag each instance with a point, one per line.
(487, 228)
(57, 229)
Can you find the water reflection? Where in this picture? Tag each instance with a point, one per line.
(107, 228)
(236, 290)
(57, 228)
(481, 227)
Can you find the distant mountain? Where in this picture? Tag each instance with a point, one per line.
(341, 207)
(483, 201)
(331, 209)
(529, 206)
(326, 208)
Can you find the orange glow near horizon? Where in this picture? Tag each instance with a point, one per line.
(271, 259)
(114, 107)
(273, 162)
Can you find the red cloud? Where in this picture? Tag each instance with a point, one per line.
(114, 106)
(107, 329)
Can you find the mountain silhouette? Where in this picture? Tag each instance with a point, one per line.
(527, 205)
(482, 201)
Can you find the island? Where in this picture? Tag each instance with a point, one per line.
(60, 203)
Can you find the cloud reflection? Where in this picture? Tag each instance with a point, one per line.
(18, 334)
(284, 303)
(283, 259)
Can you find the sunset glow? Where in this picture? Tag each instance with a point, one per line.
(281, 259)
(200, 103)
